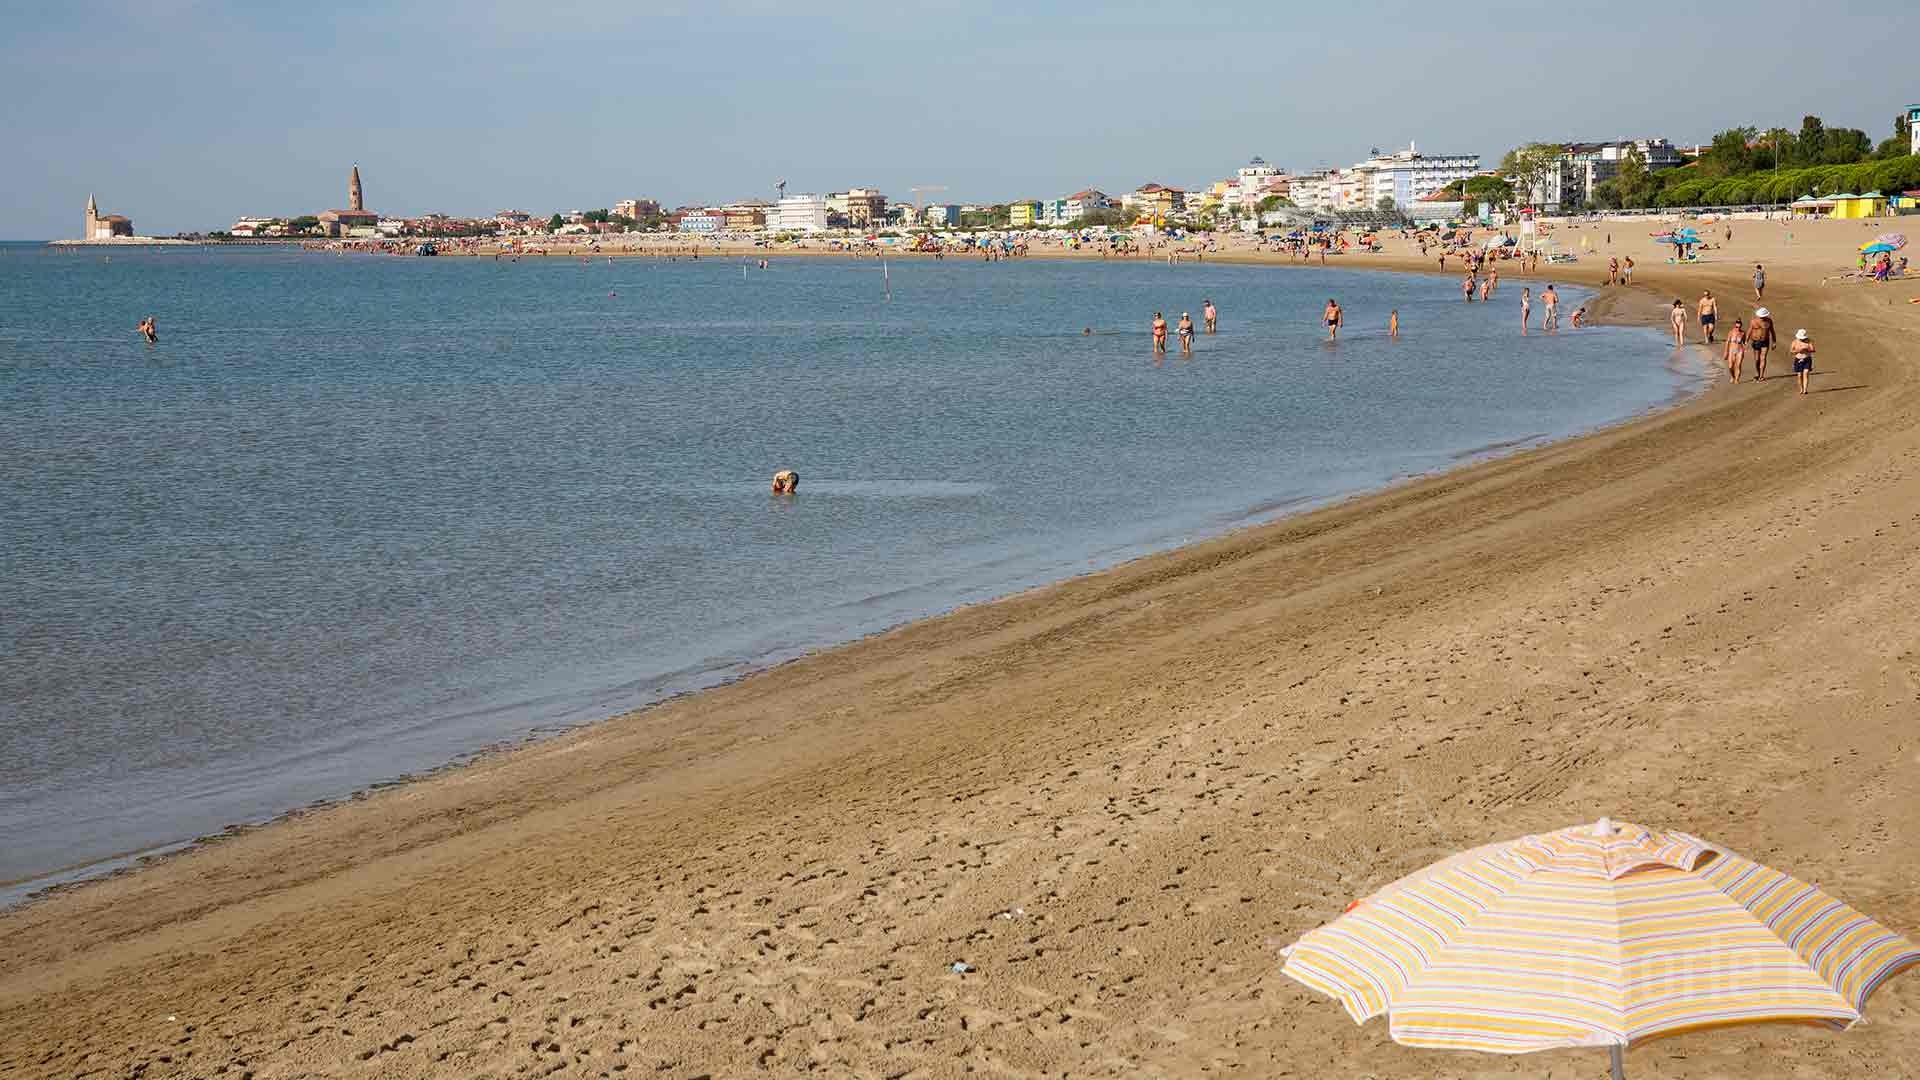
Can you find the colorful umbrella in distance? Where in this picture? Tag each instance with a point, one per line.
(1875, 248)
(1898, 240)
(1598, 935)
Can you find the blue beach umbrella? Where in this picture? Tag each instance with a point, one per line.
(1876, 249)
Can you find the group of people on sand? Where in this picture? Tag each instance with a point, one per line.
(1756, 336)
(1210, 318)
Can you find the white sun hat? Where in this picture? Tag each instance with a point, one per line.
(1799, 335)
(1763, 313)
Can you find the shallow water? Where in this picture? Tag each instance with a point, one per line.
(354, 517)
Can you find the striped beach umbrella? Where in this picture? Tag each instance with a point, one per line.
(1606, 935)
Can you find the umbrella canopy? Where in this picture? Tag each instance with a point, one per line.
(1898, 240)
(1599, 935)
(1875, 248)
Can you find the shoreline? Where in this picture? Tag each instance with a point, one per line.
(1184, 743)
(27, 891)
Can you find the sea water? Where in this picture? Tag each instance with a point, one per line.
(356, 516)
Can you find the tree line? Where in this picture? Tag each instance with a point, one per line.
(1743, 166)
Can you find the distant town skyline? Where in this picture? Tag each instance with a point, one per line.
(184, 114)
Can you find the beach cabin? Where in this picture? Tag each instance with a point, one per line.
(1872, 204)
(1807, 206)
(1907, 202)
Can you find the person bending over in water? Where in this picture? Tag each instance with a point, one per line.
(1335, 318)
(1579, 317)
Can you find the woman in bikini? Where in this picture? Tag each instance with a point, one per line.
(1736, 350)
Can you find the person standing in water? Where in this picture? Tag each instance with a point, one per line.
(1159, 332)
(1802, 352)
(1550, 309)
(1335, 318)
(1211, 316)
(1186, 333)
(149, 330)
(1677, 318)
(1526, 309)
(1393, 324)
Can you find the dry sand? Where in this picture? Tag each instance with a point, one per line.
(1163, 773)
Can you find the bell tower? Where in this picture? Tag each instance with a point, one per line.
(93, 215)
(354, 199)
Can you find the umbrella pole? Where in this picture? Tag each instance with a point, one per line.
(1619, 1062)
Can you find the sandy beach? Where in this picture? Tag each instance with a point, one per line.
(1116, 799)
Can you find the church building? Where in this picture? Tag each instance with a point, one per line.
(356, 220)
(104, 228)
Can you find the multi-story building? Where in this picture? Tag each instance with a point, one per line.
(1315, 191)
(1156, 200)
(1913, 128)
(865, 207)
(706, 219)
(1406, 177)
(799, 214)
(745, 216)
(637, 209)
(1081, 203)
(1582, 167)
(940, 216)
(1023, 214)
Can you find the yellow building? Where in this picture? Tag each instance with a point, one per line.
(1023, 214)
(1872, 204)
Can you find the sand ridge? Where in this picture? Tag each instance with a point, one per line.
(1114, 799)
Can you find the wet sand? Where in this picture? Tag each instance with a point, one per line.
(1117, 798)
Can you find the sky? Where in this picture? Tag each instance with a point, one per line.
(185, 114)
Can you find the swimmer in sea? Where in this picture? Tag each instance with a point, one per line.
(149, 330)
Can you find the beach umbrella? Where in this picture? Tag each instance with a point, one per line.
(1606, 935)
(1898, 240)
(1875, 248)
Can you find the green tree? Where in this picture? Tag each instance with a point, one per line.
(1606, 195)
(1490, 190)
(303, 223)
(554, 223)
(1384, 202)
(1811, 143)
(1845, 146)
(1274, 202)
(1729, 155)
(1529, 166)
(596, 216)
(1633, 185)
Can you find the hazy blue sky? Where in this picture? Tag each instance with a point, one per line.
(185, 113)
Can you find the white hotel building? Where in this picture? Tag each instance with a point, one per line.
(798, 214)
(1409, 176)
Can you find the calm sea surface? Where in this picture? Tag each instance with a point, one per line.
(355, 517)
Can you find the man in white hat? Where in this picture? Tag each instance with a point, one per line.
(1760, 340)
(1802, 351)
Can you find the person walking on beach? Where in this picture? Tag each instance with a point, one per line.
(1211, 316)
(1550, 303)
(1186, 333)
(1159, 332)
(1613, 270)
(1760, 340)
(1677, 318)
(1335, 318)
(1759, 281)
(1526, 309)
(1736, 350)
(1802, 352)
(1709, 313)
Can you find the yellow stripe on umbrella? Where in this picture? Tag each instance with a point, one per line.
(1601, 935)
